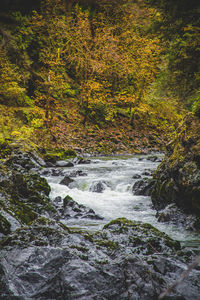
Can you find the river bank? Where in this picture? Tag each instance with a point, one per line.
(53, 246)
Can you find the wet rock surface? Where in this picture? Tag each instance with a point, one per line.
(22, 161)
(81, 160)
(176, 216)
(143, 187)
(154, 158)
(64, 163)
(68, 208)
(136, 176)
(126, 260)
(77, 173)
(66, 181)
(98, 187)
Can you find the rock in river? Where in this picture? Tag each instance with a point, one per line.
(66, 181)
(98, 186)
(64, 163)
(143, 187)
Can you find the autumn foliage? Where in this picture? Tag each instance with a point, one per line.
(85, 62)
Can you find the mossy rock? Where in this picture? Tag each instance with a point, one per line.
(144, 237)
(37, 183)
(67, 200)
(25, 195)
(110, 245)
(29, 185)
(178, 176)
(23, 212)
(5, 226)
(43, 221)
(35, 235)
(53, 155)
(5, 149)
(121, 222)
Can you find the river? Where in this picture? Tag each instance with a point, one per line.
(117, 200)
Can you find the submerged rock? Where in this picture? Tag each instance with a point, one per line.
(77, 173)
(24, 195)
(147, 173)
(126, 260)
(44, 259)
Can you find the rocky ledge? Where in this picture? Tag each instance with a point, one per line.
(126, 260)
(178, 176)
(24, 194)
(43, 259)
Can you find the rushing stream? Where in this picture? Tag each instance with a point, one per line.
(117, 200)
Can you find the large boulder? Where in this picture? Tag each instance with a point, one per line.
(126, 260)
(24, 195)
(178, 176)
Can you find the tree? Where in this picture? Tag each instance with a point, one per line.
(178, 27)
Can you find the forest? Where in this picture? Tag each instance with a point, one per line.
(75, 73)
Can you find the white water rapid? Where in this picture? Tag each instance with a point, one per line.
(117, 200)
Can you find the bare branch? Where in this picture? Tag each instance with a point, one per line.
(179, 280)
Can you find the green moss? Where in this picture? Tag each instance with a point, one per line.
(24, 213)
(108, 244)
(5, 148)
(83, 257)
(121, 222)
(79, 248)
(147, 237)
(4, 225)
(67, 199)
(69, 153)
(52, 155)
(43, 221)
(36, 184)
(101, 262)
(34, 235)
